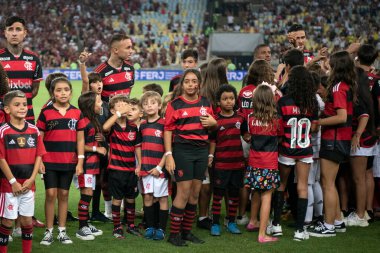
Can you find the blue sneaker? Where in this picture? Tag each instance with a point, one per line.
(215, 229)
(149, 233)
(159, 235)
(233, 228)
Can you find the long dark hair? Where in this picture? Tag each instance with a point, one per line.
(86, 103)
(179, 88)
(302, 89)
(343, 69)
(365, 99)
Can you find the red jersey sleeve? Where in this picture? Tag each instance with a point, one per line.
(2, 148)
(339, 97)
(81, 124)
(40, 146)
(41, 122)
(170, 118)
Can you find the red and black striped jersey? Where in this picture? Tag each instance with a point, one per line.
(263, 152)
(366, 139)
(183, 118)
(60, 136)
(228, 150)
(152, 145)
(338, 137)
(245, 100)
(296, 141)
(122, 143)
(116, 81)
(307, 56)
(3, 117)
(91, 161)
(22, 71)
(19, 148)
(374, 84)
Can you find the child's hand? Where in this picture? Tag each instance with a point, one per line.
(101, 150)
(170, 164)
(247, 137)
(154, 172)
(42, 168)
(137, 170)
(17, 188)
(99, 137)
(210, 159)
(79, 170)
(355, 142)
(84, 56)
(208, 121)
(27, 185)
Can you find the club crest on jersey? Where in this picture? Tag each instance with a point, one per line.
(203, 111)
(158, 133)
(131, 135)
(72, 124)
(128, 76)
(21, 141)
(237, 125)
(10, 207)
(28, 66)
(31, 142)
(89, 180)
(247, 94)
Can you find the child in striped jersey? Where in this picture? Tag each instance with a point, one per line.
(154, 180)
(262, 173)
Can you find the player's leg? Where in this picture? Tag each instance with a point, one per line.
(266, 198)
(217, 197)
(26, 223)
(255, 208)
(8, 215)
(5, 232)
(149, 214)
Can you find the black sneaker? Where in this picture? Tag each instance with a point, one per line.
(133, 230)
(322, 231)
(341, 228)
(70, 217)
(176, 240)
(99, 217)
(206, 223)
(192, 238)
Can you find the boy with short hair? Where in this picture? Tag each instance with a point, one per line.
(153, 87)
(154, 180)
(125, 148)
(189, 60)
(21, 151)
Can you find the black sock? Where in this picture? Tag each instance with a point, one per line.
(156, 206)
(278, 203)
(163, 214)
(301, 212)
(149, 216)
(96, 199)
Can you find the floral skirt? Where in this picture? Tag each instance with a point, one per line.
(261, 179)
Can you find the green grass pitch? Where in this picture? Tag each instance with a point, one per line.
(354, 240)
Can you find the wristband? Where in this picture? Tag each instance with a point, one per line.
(159, 168)
(210, 156)
(168, 153)
(12, 181)
(81, 156)
(93, 148)
(118, 114)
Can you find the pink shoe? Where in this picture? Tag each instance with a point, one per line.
(251, 228)
(263, 239)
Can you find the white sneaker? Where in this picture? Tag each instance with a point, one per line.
(10, 239)
(243, 221)
(354, 220)
(94, 230)
(17, 232)
(274, 230)
(64, 238)
(85, 234)
(301, 235)
(48, 238)
(366, 216)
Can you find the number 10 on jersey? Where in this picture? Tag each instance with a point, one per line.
(296, 132)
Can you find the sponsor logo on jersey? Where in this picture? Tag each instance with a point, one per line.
(28, 58)
(12, 142)
(108, 73)
(222, 128)
(7, 66)
(18, 85)
(184, 114)
(21, 141)
(111, 80)
(127, 68)
(5, 58)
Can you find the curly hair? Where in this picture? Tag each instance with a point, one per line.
(343, 69)
(302, 89)
(3, 81)
(264, 105)
(260, 71)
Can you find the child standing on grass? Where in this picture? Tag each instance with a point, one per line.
(262, 173)
(154, 180)
(125, 149)
(90, 104)
(61, 126)
(227, 151)
(21, 149)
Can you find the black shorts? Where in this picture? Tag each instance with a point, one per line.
(370, 162)
(122, 184)
(58, 179)
(227, 179)
(333, 155)
(190, 161)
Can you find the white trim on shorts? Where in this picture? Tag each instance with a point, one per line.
(89, 181)
(12, 206)
(156, 185)
(365, 151)
(291, 161)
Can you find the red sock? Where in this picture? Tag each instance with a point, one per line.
(27, 236)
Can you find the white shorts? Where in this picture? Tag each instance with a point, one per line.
(156, 185)
(85, 181)
(365, 151)
(12, 206)
(291, 161)
(315, 172)
(376, 163)
(246, 147)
